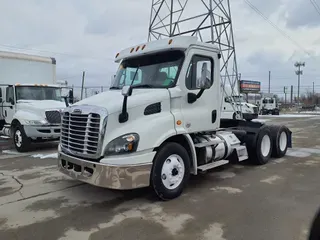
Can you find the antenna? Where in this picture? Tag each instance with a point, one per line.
(209, 20)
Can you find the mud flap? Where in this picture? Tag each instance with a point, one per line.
(289, 139)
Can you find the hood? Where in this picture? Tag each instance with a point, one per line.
(112, 100)
(37, 105)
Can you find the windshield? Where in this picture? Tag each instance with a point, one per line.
(238, 99)
(38, 93)
(268, 100)
(158, 70)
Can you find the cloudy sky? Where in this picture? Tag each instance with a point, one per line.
(86, 35)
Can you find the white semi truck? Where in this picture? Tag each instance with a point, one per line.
(269, 105)
(31, 101)
(235, 107)
(162, 125)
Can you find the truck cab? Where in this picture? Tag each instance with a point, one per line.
(269, 105)
(31, 113)
(235, 107)
(159, 122)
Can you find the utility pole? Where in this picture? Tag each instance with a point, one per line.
(269, 81)
(299, 72)
(313, 97)
(291, 94)
(83, 75)
(285, 94)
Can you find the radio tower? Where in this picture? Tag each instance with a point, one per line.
(209, 20)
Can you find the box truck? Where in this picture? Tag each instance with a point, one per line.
(31, 101)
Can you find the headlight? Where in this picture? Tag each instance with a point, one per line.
(35, 122)
(124, 144)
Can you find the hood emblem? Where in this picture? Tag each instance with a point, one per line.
(77, 111)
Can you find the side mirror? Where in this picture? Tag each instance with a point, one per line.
(205, 79)
(126, 91)
(11, 101)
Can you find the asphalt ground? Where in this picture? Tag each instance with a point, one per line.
(233, 202)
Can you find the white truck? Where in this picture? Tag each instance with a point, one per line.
(235, 107)
(31, 101)
(162, 125)
(269, 105)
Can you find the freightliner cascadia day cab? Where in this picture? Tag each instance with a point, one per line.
(160, 124)
(234, 105)
(31, 102)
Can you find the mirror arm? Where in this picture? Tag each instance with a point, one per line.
(124, 116)
(193, 97)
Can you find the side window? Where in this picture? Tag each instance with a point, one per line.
(195, 69)
(9, 94)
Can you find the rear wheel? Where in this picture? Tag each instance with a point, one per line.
(280, 136)
(170, 171)
(260, 149)
(20, 139)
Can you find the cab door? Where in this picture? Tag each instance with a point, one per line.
(9, 104)
(203, 114)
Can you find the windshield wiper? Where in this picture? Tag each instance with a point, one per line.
(142, 86)
(114, 88)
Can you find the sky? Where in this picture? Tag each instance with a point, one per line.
(86, 35)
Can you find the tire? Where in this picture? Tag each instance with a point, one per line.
(20, 139)
(314, 233)
(234, 116)
(170, 156)
(280, 135)
(260, 149)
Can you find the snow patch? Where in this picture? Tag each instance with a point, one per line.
(223, 175)
(10, 152)
(43, 156)
(229, 190)
(214, 232)
(174, 223)
(271, 180)
(290, 116)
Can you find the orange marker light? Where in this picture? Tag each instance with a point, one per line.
(179, 122)
(132, 49)
(170, 41)
(137, 48)
(143, 47)
(117, 55)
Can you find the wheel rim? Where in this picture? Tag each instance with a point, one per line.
(18, 138)
(172, 172)
(283, 141)
(265, 145)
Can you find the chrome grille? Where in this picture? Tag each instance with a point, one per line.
(255, 109)
(53, 117)
(80, 133)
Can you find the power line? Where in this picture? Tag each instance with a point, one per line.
(316, 6)
(275, 26)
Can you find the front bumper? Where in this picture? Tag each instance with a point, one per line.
(249, 116)
(120, 176)
(48, 132)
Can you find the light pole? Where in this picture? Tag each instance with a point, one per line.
(299, 72)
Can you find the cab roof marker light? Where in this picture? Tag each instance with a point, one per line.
(143, 47)
(137, 48)
(132, 49)
(170, 41)
(117, 55)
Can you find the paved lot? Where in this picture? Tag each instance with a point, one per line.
(275, 201)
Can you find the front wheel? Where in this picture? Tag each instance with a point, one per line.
(171, 171)
(20, 139)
